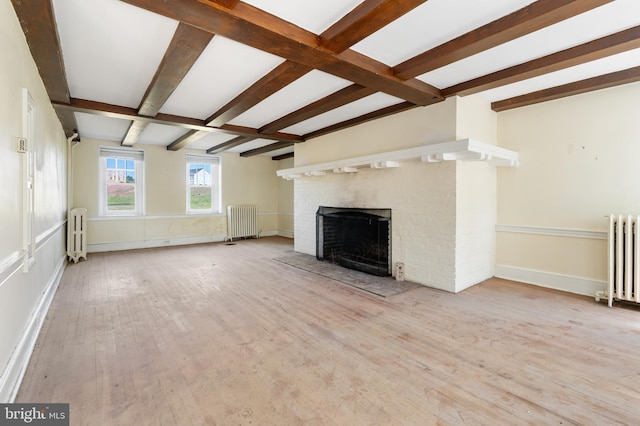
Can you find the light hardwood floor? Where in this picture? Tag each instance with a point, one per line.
(223, 334)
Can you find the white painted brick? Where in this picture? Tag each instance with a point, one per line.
(443, 216)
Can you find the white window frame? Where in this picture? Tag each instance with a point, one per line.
(126, 154)
(216, 192)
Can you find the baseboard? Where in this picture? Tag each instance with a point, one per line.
(182, 241)
(566, 283)
(286, 234)
(167, 242)
(14, 371)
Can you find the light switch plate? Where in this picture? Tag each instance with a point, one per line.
(22, 144)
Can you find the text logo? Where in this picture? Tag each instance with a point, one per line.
(34, 414)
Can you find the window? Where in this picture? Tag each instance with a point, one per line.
(121, 181)
(203, 184)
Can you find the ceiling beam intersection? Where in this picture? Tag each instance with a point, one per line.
(253, 27)
(362, 21)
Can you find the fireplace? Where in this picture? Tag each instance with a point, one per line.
(355, 238)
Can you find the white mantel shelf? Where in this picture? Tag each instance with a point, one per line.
(463, 149)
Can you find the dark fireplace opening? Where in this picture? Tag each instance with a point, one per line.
(355, 238)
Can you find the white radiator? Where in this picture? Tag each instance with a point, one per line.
(77, 234)
(242, 221)
(624, 256)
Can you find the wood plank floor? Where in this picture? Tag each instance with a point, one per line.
(223, 334)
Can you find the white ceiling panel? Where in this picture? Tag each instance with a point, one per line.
(111, 49)
(607, 65)
(354, 109)
(159, 134)
(309, 88)
(223, 71)
(312, 15)
(211, 140)
(597, 23)
(101, 127)
(430, 25)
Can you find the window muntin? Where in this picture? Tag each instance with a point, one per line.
(203, 184)
(121, 182)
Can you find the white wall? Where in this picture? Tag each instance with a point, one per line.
(578, 162)
(476, 208)
(475, 223)
(24, 296)
(416, 127)
(244, 181)
(285, 202)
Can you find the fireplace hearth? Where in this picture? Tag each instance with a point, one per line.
(355, 238)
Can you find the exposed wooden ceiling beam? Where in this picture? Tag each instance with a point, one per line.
(68, 121)
(591, 51)
(133, 132)
(533, 17)
(126, 113)
(618, 78)
(187, 139)
(229, 144)
(332, 101)
(184, 50)
(249, 131)
(267, 148)
(248, 25)
(283, 156)
(367, 18)
(229, 4)
(384, 112)
(38, 24)
(283, 75)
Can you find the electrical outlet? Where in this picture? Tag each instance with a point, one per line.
(22, 144)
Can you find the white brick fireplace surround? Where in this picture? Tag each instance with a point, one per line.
(443, 215)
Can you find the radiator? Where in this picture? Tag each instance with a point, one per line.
(242, 221)
(624, 256)
(77, 234)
